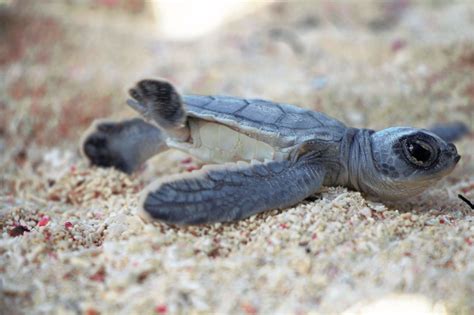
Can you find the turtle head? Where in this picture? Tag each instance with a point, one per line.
(406, 161)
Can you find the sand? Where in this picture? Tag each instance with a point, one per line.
(72, 243)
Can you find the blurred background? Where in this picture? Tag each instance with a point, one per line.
(371, 63)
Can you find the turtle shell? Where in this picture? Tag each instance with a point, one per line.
(279, 125)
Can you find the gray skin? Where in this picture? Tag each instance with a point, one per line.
(316, 150)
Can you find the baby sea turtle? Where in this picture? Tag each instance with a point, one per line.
(270, 155)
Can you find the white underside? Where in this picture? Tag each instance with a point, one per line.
(217, 143)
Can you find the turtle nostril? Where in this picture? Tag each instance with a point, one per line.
(452, 148)
(457, 158)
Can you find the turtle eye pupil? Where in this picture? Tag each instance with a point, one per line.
(419, 152)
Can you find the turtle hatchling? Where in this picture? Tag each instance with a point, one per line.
(262, 155)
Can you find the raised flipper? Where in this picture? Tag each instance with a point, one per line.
(450, 132)
(230, 192)
(159, 101)
(124, 145)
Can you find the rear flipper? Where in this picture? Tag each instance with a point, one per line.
(450, 132)
(124, 145)
(159, 101)
(231, 192)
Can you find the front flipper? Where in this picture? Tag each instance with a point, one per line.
(231, 192)
(450, 132)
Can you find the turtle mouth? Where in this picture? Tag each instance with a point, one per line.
(456, 159)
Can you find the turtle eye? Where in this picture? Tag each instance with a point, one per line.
(419, 152)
